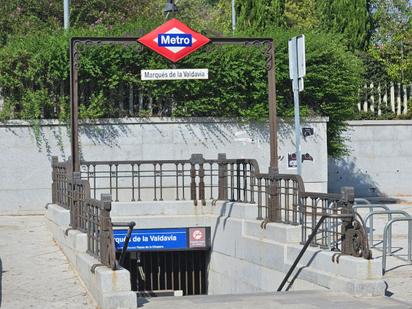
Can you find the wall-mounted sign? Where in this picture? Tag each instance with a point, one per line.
(292, 160)
(292, 163)
(164, 239)
(197, 237)
(174, 74)
(173, 40)
(307, 132)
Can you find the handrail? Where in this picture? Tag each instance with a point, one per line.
(385, 236)
(308, 241)
(389, 213)
(130, 226)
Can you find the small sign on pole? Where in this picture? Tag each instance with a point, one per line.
(297, 71)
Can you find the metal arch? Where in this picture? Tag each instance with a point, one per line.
(75, 53)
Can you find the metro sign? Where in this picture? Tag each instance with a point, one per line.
(173, 40)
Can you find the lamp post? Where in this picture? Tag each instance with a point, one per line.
(233, 17)
(170, 7)
(66, 6)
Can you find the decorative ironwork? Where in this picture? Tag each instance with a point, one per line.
(277, 197)
(87, 215)
(74, 64)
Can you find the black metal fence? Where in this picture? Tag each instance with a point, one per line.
(278, 197)
(89, 215)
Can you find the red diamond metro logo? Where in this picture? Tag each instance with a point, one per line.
(173, 40)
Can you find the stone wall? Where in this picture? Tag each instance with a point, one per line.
(379, 162)
(26, 150)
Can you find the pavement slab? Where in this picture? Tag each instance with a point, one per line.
(284, 300)
(34, 273)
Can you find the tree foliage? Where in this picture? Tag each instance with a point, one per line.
(260, 14)
(350, 18)
(392, 38)
(342, 37)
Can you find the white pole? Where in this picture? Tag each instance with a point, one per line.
(297, 129)
(385, 96)
(372, 107)
(365, 102)
(233, 17)
(379, 100)
(66, 5)
(392, 92)
(405, 100)
(398, 100)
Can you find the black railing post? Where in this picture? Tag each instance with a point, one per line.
(76, 200)
(54, 163)
(274, 214)
(107, 250)
(222, 174)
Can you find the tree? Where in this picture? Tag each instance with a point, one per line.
(301, 14)
(259, 14)
(392, 38)
(350, 18)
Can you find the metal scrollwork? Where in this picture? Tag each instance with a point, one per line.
(268, 51)
(76, 54)
(356, 242)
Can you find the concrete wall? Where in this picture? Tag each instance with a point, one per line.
(26, 152)
(246, 258)
(380, 159)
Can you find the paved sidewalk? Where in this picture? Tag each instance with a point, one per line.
(34, 273)
(399, 272)
(282, 300)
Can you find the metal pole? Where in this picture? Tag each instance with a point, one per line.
(74, 109)
(273, 134)
(297, 129)
(233, 17)
(66, 5)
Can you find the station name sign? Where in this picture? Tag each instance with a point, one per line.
(164, 239)
(174, 74)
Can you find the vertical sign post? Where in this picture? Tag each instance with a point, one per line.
(66, 6)
(233, 17)
(297, 70)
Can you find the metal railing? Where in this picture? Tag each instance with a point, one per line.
(389, 213)
(91, 216)
(194, 179)
(60, 174)
(277, 197)
(310, 241)
(385, 240)
(312, 207)
(371, 208)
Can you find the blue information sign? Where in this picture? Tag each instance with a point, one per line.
(174, 39)
(153, 239)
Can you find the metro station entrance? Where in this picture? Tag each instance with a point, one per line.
(166, 261)
(168, 273)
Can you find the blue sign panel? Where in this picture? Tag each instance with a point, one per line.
(153, 239)
(174, 40)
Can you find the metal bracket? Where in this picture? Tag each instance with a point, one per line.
(94, 266)
(66, 232)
